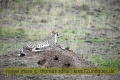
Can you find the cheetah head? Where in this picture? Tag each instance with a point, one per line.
(55, 32)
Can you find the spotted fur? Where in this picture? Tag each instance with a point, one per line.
(36, 46)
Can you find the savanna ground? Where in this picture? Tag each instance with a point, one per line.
(90, 28)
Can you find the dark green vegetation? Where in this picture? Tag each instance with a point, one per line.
(90, 28)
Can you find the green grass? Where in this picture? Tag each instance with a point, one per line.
(29, 34)
(75, 37)
(22, 64)
(11, 32)
(111, 63)
(104, 62)
(101, 40)
(6, 46)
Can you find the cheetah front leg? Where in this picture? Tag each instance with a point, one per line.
(22, 53)
(36, 50)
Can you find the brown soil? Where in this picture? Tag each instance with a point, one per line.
(50, 57)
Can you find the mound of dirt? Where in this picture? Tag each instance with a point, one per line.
(50, 57)
(58, 57)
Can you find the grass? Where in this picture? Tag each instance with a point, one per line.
(74, 36)
(112, 63)
(11, 32)
(100, 40)
(29, 34)
(6, 46)
(22, 64)
(104, 62)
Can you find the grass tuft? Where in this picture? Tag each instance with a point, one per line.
(11, 32)
(104, 62)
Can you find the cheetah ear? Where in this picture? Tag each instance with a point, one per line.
(53, 31)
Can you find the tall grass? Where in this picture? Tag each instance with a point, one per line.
(9, 46)
(104, 61)
(11, 32)
(29, 34)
